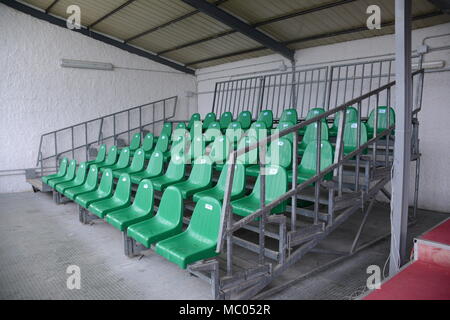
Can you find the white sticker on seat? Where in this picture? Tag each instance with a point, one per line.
(124, 179)
(354, 125)
(382, 111)
(107, 174)
(208, 207)
(145, 186)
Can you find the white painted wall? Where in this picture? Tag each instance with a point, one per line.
(38, 96)
(435, 128)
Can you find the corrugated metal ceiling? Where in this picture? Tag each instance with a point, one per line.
(178, 32)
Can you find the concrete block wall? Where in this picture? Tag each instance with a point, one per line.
(38, 96)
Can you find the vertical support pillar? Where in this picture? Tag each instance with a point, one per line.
(402, 155)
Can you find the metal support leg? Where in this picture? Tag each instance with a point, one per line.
(128, 245)
(361, 227)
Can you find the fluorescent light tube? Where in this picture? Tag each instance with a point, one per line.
(66, 63)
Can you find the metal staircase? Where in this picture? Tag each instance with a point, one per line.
(79, 141)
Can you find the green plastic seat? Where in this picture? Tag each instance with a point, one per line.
(314, 112)
(111, 158)
(140, 210)
(101, 156)
(89, 185)
(351, 115)
(289, 115)
(307, 168)
(234, 133)
(276, 185)
(212, 132)
(382, 120)
(167, 222)
(103, 191)
(166, 129)
(250, 157)
(162, 145)
(175, 173)
(195, 117)
(120, 199)
(199, 178)
(225, 119)
(279, 153)
(209, 118)
(283, 126)
(311, 135)
(218, 191)
(135, 142)
(154, 168)
(181, 125)
(123, 162)
(136, 165)
(148, 143)
(266, 116)
(178, 133)
(70, 175)
(245, 119)
(199, 241)
(220, 150)
(351, 137)
(80, 177)
(258, 130)
(61, 171)
(197, 148)
(196, 129)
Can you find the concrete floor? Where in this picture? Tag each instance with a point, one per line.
(39, 240)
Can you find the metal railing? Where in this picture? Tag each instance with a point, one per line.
(77, 139)
(379, 157)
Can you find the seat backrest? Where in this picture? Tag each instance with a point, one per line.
(258, 130)
(166, 129)
(197, 147)
(124, 158)
(181, 125)
(250, 157)
(101, 155)
(351, 136)
(194, 117)
(280, 153)
(138, 160)
(209, 118)
(289, 115)
(307, 167)
(106, 183)
(351, 115)
(148, 142)
(201, 172)
(92, 178)
(63, 166)
(176, 168)
(314, 112)
(283, 126)
(112, 156)
(155, 165)
(276, 183)
(238, 179)
(225, 119)
(196, 129)
(220, 150)
(234, 132)
(177, 133)
(143, 199)
(382, 119)
(311, 132)
(123, 188)
(135, 141)
(81, 173)
(245, 118)
(171, 208)
(205, 221)
(70, 173)
(163, 143)
(212, 132)
(266, 116)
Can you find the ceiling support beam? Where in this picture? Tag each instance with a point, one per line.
(97, 36)
(403, 131)
(312, 38)
(168, 23)
(242, 27)
(261, 23)
(110, 13)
